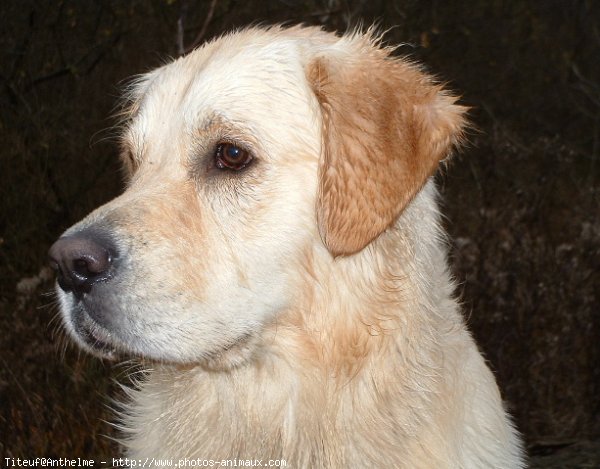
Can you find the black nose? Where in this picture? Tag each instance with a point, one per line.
(81, 260)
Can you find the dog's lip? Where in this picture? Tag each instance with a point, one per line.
(95, 336)
(97, 341)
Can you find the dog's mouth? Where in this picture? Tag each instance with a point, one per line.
(97, 339)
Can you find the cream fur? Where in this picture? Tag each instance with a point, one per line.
(263, 342)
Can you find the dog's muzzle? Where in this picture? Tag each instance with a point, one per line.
(85, 263)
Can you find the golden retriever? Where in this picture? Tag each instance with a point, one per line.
(278, 258)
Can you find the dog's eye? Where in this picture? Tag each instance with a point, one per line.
(230, 156)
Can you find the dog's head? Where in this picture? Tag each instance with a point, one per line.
(241, 157)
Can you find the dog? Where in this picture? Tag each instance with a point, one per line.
(277, 260)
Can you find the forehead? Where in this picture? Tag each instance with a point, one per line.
(250, 79)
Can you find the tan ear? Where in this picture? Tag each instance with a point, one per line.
(386, 126)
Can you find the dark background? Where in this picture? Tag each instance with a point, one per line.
(522, 200)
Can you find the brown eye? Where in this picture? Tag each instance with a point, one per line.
(230, 156)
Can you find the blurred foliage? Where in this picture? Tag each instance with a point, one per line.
(522, 200)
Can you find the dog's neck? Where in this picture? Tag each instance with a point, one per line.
(354, 308)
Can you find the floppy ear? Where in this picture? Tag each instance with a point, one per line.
(386, 126)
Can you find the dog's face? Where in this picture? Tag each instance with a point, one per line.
(242, 158)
